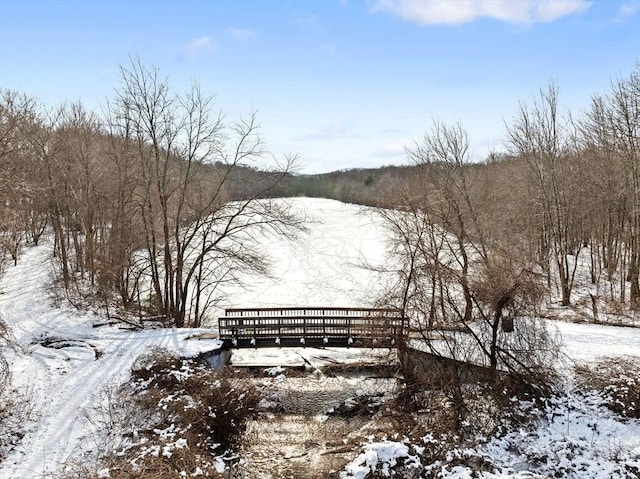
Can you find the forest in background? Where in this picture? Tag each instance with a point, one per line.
(148, 201)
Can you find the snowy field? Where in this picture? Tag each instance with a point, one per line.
(64, 363)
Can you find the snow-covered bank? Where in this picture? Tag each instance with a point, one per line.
(585, 342)
(64, 363)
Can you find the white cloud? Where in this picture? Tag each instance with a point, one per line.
(628, 9)
(551, 10)
(455, 12)
(198, 45)
(242, 34)
(390, 150)
(337, 130)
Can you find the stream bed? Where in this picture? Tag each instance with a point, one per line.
(312, 424)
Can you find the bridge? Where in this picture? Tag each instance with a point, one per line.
(312, 327)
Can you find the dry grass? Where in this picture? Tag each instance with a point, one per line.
(15, 409)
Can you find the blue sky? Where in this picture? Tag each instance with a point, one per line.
(343, 83)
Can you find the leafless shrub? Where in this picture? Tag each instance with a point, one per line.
(617, 380)
(443, 405)
(10, 402)
(173, 417)
(472, 297)
(15, 409)
(5, 375)
(154, 467)
(153, 366)
(211, 405)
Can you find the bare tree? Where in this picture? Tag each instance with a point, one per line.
(608, 208)
(21, 211)
(624, 117)
(609, 135)
(470, 300)
(185, 153)
(541, 137)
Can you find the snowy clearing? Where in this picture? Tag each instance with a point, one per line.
(64, 363)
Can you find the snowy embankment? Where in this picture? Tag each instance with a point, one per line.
(64, 363)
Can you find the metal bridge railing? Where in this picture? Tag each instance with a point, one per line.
(312, 326)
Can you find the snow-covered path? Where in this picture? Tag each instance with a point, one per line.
(588, 342)
(65, 363)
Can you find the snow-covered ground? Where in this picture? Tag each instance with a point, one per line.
(63, 362)
(589, 342)
(331, 263)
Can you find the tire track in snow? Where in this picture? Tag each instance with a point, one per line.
(60, 432)
(64, 387)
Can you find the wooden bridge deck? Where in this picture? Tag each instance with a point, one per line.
(312, 327)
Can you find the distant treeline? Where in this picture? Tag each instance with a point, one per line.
(364, 186)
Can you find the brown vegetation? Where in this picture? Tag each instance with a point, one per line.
(482, 245)
(138, 196)
(471, 300)
(173, 416)
(150, 205)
